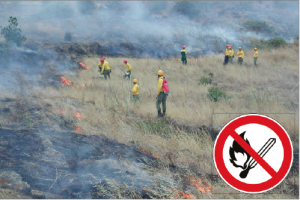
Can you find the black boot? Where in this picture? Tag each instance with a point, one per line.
(164, 113)
(159, 114)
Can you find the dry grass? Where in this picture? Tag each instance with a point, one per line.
(266, 88)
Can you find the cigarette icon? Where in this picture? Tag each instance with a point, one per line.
(262, 152)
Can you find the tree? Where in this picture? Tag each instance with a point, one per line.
(12, 32)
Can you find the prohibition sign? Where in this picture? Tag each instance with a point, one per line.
(229, 131)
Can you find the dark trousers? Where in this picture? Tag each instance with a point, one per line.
(225, 60)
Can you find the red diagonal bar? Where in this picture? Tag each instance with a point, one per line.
(254, 154)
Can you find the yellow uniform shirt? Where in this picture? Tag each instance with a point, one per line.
(135, 90)
(128, 67)
(227, 52)
(240, 54)
(231, 52)
(183, 51)
(105, 66)
(255, 55)
(159, 85)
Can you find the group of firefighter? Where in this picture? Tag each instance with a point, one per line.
(162, 84)
(229, 55)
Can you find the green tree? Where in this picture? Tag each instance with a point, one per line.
(12, 32)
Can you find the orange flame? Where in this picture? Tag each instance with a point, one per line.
(64, 81)
(78, 128)
(83, 65)
(186, 196)
(149, 154)
(60, 111)
(203, 188)
(79, 116)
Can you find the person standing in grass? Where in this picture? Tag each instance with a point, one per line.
(106, 69)
(161, 97)
(135, 91)
(227, 53)
(183, 55)
(255, 55)
(240, 55)
(128, 69)
(231, 55)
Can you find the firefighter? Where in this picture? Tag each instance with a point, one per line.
(135, 91)
(161, 97)
(100, 64)
(183, 55)
(106, 69)
(231, 55)
(227, 53)
(240, 55)
(255, 55)
(128, 69)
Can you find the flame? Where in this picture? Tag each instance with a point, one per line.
(149, 154)
(203, 188)
(78, 128)
(60, 111)
(83, 65)
(79, 116)
(64, 81)
(186, 196)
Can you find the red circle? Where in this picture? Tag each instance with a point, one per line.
(262, 120)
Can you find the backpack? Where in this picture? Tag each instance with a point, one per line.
(165, 86)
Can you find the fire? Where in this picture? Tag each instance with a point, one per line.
(186, 196)
(83, 65)
(60, 111)
(203, 188)
(149, 154)
(78, 128)
(64, 81)
(79, 116)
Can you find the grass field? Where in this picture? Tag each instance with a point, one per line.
(267, 88)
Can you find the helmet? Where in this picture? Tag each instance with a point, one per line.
(125, 61)
(160, 72)
(255, 48)
(240, 47)
(183, 47)
(227, 45)
(101, 60)
(134, 80)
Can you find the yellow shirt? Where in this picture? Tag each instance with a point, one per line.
(128, 67)
(255, 55)
(227, 52)
(101, 64)
(135, 90)
(240, 54)
(159, 85)
(231, 52)
(183, 51)
(105, 66)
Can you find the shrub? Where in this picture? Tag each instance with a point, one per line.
(12, 32)
(258, 26)
(206, 80)
(276, 42)
(215, 94)
(68, 36)
(154, 126)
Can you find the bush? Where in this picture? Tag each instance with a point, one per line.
(206, 80)
(68, 36)
(4, 52)
(12, 32)
(215, 94)
(154, 126)
(258, 26)
(276, 42)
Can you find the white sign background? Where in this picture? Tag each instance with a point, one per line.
(257, 136)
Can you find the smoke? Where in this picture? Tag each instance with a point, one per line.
(207, 27)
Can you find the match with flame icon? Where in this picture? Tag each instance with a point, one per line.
(238, 154)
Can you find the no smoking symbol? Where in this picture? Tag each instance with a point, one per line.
(253, 153)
